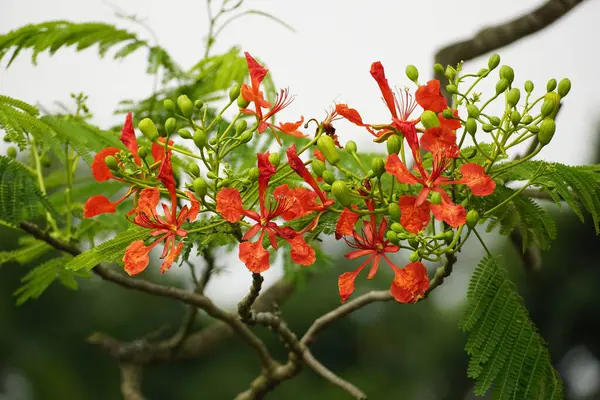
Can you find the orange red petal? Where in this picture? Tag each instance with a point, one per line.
(254, 256)
(100, 170)
(171, 257)
(452, 123)
(346, 223)
(394, 166)
(410, 283)
(302, 253)
(430, 97)
(98, 204)
(378, 73)
(136, 257)
(453, 215)
(128, 137)
(229, 204)
(350, 114)
(474, 176)
(413, 218)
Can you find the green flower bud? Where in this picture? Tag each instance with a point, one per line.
(246, 136)
(471, 126)
(112, 163)
(394, 143)
(142, 152)
(547, 107)
(472, 111)
(351, 147)
(184, 133)
(198, 104)
(185, 105)
(328, 177)
(555, 99)
(413, 243)
(414, 256)
(394, 211)
(253, 174)
(169, 105)
(326, 188)
(529, 86)
(493, 61)
(398, 228)
(507, 73)
(318, 167)
(213, 141)
(429, 119)
(547, 129)
(447, 113)
(200, 138)
(193, 169)
(392, 237)
(170, 125)
(211, 175)
(472, 219)
(452, 89)
(234, 93)
(242, 102)
(494, 120)
(450, 72)
(501, 86)
(12, 152)
(533, 128)
(241, 126)
(200, 187)
(148, 129)
(487, 127)
(438, 69)
(412, 73)
(436, 198)
(341, 193)
(526, 119)
(448, 236)
(327, 147)
(515, 117)
(378, 166)
(564, 87)
(274, 159)
(551, 85)
(513, 97)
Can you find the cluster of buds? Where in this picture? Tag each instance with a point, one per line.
(417, 195)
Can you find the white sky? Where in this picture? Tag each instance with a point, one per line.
(327, 59)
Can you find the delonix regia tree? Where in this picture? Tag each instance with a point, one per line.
(195, 177)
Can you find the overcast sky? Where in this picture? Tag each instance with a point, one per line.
(327, 59)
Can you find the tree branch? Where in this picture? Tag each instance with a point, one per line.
(130, 381)
(244, 307)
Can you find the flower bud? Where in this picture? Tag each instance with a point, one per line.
(234, 93)
(392, 237)
(487, 127)
(471, 125)
(515, 117)
(351, 147)
(184, 133)
(447, 113)
(274, 159)
(246, 136)
(448, 236)
(438, 69)
(412, 73)
(378, 166)
(436, 198)
(547, 107)
(142, 152)
(148, 129)
(493, 61)
(200, 187)
(328, 177)
(494, 120)
(501, 86)
(513, 97)
(429, 119)
(472, 219)
(555, 98)
(414, 256)
(326, 188)
(450, 72)
(526, 119)
(564, 87)
(112, 163)
(200, 138)
(213, 140)
(551, 85)
(241, 126)
(529, 86)
(169, 105)
(472, 111)
(394, 143)
(394, 212)
(253, 174)
(452, 89)
(170, 125)
(327, 147)
(547, 129)
(193, 169)
(507, 73)
(211, 175)
(242, 102)
(318, 167)
(185, 105)
(198, 104)
(413, 243)
(396, 227)
(341, 192)
(533, 128)
(12, 152)
(483, 72)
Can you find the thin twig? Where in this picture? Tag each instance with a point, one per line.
(244, 307)
(130, 381)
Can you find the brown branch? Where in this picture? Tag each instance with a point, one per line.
(130, 381)
(244, 307)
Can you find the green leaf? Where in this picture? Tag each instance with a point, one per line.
(505, 349)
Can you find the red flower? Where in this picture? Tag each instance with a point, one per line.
(254, 95)
(430, 97)
(413, 218)
(452, 123)
(253, 254)
(410, 283)
(319, 156)
(100, 204)
(346, 223)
